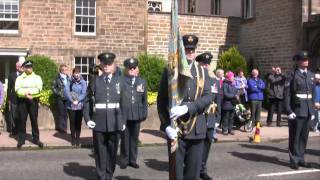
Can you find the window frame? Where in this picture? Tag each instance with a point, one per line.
(11, 31)
(213, 7)
(88, 16)
(155, 1)
(81, 65)
(250, 7)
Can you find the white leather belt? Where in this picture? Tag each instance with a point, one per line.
(304, 96)
(107, 106)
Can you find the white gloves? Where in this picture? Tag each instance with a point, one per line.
(178, 111)
(171, 132)
(123, 127)
(312, 117)
(292, 116)
(91, 124)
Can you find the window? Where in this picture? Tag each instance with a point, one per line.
(84, 63)
(9, 16)
(85, 17)
(191, 6)
(215, 7)
(248, 9)
(154, 6)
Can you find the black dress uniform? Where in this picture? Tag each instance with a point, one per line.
(212, 115)
(13, 105)
(107, 116)
(298, 100)
(134, 108)
(190, 146)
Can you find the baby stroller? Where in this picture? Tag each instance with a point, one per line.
(242, 118)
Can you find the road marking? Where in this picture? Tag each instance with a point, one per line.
(289, 173)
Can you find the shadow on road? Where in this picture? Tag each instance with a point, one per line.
(157, 165)
(260, 158)
(75, 169)
(313, 152)
(153, 132)
(125, 178)
(264, 147)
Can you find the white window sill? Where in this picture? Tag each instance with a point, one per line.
(14, 32)
(85, 34)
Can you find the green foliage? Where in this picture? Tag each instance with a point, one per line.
(45, 68)
(231, 60)
(151, 68)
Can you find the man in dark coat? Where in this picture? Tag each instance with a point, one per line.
(212, 113)
(190, 142)
(58, 86)
(106, 117)
(12, 98)
(275, 94)
(134, 106)
(299, 105)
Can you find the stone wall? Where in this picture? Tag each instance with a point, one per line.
(215, 33)
(47, 27)
(274, 35)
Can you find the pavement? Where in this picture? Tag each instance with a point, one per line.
(147, 137)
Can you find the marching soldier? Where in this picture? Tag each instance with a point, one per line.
(28, 87)
(106, 117)
(299, 105)
(134, 107)
(190, 141)
(212, 113)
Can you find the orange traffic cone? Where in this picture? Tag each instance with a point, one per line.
(256, 138)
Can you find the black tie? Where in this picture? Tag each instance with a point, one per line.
(106, 79)
(304, 74)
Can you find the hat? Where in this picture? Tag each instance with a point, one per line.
(106, 58)
(27, 64)
(130, 63)
(190, 41)
(303, 55)
(229, 75)
(204, 58)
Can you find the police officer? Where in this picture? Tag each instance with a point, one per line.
(134, 106)
(106, 117)
(299, 105)
(28, 87)
(190, 145)
(212, 113)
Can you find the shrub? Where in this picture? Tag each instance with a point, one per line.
(152, 97)
(45, 68)
(231, 60)
(151, 68)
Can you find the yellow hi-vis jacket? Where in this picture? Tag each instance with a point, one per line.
(31, 83)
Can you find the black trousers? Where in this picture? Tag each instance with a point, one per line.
(13, 116)
(75, 117)
(105, 148)
(227, 120)
(129, 142)
(255, 107)
(206, 149)
(188, 159)
(28, 107)
(298, 137)
(62, 114)
(275, 105)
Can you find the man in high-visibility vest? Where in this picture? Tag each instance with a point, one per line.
(28, 87)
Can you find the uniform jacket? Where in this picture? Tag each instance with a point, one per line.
(297, 83)
(107, 119)
(275, 86)
(194, 105)
(31, 83)
(11, 94)
(212, 118)
(58, 87)
(134, 104)
(255, 89)
(79, 88)
(229, 95)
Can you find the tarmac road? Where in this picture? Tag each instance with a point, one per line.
(227, 161)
